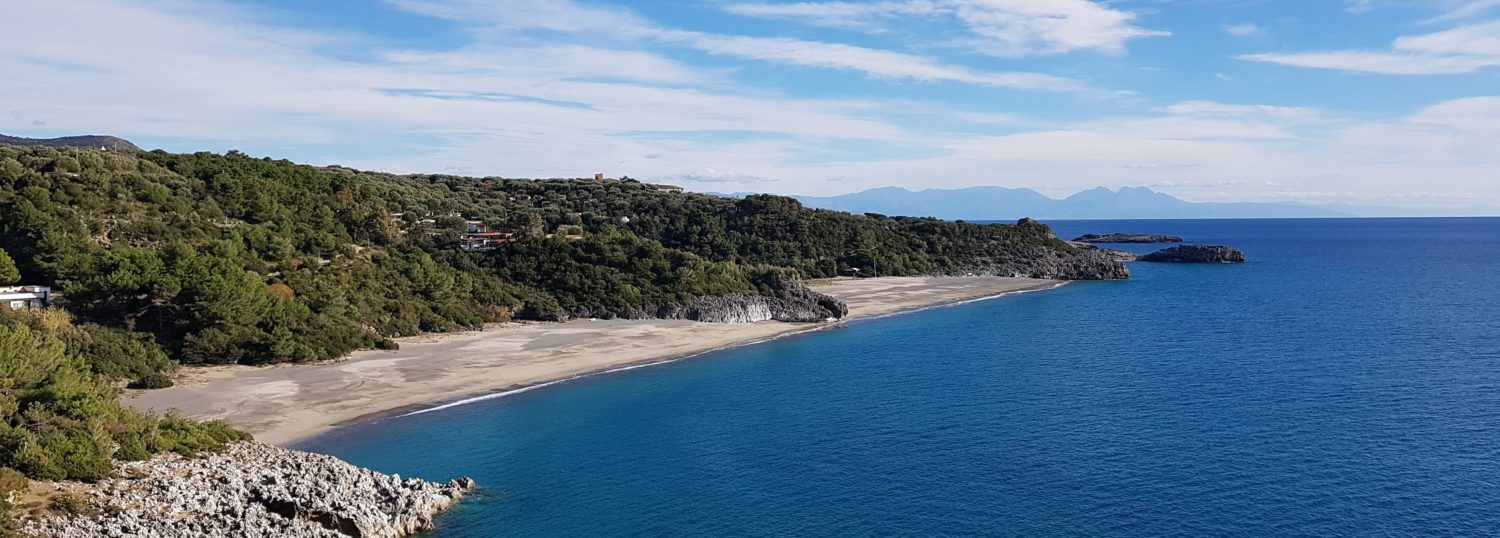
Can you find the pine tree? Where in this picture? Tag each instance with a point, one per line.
(8, 272)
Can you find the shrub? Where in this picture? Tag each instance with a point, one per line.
(387, 344)
(72, 505)
(151, 381)
(12, 481)
(117, 354)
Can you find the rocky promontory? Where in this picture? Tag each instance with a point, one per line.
(251, 490)
(1128, 238)
(792, 303)
(1195, 254)
(1047, 261)
(1083, 264)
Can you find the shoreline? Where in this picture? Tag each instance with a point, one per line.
(286, 405)
(481, 396)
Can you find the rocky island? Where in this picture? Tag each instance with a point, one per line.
(1127, 238)
(250, 490)
(1195, 254)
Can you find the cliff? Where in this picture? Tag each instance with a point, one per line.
(253, 490)
(1083, 264)
(787, 299)
(796, 304)
(1051, 259)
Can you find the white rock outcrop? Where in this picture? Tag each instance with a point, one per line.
(254, 490)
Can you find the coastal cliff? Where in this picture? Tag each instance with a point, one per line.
(1052, 259)
(252, 490)
(795, 304)
(1080, 265)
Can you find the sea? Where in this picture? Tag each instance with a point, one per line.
(1343, 382)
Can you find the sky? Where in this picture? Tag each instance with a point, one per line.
(1376, 102)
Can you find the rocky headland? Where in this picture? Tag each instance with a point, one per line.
(1042, 261)
(793, 304)
(251, 490)
(1127, 238)
(1083, 264)
(1195, 254)
(789, 300)
(1117, 255)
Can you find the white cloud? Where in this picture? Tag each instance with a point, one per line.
(1460, 9)
(875, 63)
(1448, 10)
(1243, 29)
(615, 23)
(999, 27)
(522, 106)
(556, 15)
(1465, 49)
(715, 177)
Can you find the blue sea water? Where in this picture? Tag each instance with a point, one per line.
(1344, 382)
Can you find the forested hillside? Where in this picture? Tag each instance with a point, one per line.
(232, 259)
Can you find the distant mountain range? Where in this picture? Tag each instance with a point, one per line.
(1000, 203)
(88, 141)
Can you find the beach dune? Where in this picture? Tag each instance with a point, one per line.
(283, 404)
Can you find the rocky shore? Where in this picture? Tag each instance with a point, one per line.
(252, 490)
(1085, 264)
(793, 304)
(789, 300)
(1037, 261)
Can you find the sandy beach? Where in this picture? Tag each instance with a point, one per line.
(283, 404)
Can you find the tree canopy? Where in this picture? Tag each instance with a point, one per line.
(234, 259)
(8, 272)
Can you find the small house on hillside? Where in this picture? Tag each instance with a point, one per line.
(24, 297)
(475, 227)
(667, 188)
(485, 240)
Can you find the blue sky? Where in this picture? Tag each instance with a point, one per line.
(1391, 102)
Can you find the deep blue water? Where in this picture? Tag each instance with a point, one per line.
(1344, 382)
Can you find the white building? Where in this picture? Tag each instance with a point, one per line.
(24, 297)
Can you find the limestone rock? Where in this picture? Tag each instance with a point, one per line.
(255, 490)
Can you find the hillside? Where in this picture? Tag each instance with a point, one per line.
(165, 259)
(232, 259)
(104, 142)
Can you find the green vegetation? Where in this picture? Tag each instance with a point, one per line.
(58, 416)
(211, 259)
(13, 485)
(70, 504)
(164, 259)
(8, 272)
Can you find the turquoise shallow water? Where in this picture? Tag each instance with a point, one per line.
(1344, 382)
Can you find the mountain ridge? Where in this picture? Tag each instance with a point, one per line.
(1003, 203)
(986, 203)
(112, 143)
